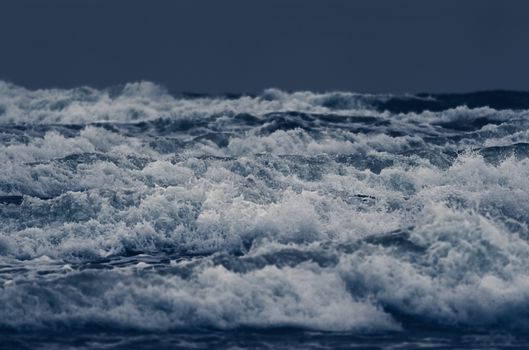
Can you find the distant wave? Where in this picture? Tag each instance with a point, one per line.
(130, 208)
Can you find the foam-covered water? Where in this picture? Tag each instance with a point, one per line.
(337, 216)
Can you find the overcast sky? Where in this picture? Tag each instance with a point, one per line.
(248, 45)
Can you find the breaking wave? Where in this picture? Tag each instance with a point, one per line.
(135, 209)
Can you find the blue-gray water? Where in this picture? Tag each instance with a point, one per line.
(130, 218)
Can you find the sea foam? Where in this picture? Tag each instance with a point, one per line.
(135, 209)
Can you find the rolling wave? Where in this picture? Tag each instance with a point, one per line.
(129, 208)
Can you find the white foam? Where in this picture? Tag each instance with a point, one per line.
(348, 230)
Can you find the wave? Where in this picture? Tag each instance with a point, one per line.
(134, 209)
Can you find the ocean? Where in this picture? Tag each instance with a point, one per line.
(132, 218)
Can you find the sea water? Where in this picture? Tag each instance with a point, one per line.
(133, 218)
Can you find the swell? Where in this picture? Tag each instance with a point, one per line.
(499, 99)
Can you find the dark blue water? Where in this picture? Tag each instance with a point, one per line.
(130, 218)
(252, 339)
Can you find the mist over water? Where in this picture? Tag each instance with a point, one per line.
(131, 211)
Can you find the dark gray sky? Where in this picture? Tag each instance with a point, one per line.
(247, 45)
